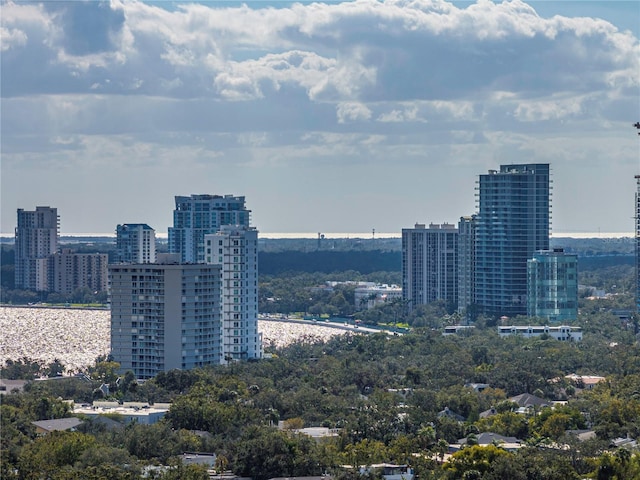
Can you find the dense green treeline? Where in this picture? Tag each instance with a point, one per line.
(365, 256)
(327, 261)
(383, 394)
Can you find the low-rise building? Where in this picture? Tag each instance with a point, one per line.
(563, 333)
(489, 438)
(139, 412)
(57, 425)
(585, 381)
(457, 329)
(368, 295)
(11, 386)
(389, 471)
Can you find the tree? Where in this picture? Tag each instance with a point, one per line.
(55, 369)
(46, 455)
(475, 458)
(264, 452)
(21, 369)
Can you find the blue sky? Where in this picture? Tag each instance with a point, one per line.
(332, 117)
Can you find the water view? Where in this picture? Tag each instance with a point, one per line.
(77, 337)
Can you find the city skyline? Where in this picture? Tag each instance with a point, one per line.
(337, 117)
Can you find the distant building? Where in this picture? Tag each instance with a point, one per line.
(234, 250)
(466, 256)
(483, 439)
(139, 412)
(457, 329)
(11, 386)
(135, 243)
(198, 215)
(57, 425)
(552, 285)
(563, 333)
(165, 316)
(388, 471)
(512, 223)
(69, 271)
(430, 264)
(587, 382)
(36, 239)
(368, 294)
(637, 219)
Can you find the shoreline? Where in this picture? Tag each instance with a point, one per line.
(61, 307)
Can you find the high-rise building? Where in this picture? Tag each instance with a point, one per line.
(69, 271)
(430, 264)
(165, 316)
(234, 249)
(466, 245)
(637, 218)
(198, 215)
(512, 223)
(135, 243)
(552, 285)
(36, 238)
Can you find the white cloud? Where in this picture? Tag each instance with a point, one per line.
(11, 38)
(352, 111)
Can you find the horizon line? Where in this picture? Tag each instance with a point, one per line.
(344, 235)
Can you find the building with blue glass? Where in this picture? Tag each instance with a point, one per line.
(552, 284)
(511, 224)
(637, 218)
(197, 215)
(135, 243)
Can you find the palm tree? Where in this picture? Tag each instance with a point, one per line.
(442, 447)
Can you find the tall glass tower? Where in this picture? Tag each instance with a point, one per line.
(512, 223)
(637, 217)
(553, 285)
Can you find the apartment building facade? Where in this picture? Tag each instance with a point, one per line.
(552, 285)
(165, 316)
(512, 223)
(135, 243)
(69, 271)
(234, 249)
(197, 215)
(36, 239)
(430, 264)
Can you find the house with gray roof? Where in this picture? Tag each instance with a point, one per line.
(58, 425)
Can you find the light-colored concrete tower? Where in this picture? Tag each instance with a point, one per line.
(36, 238)
(135, 243)
(430, 264)
(164, 316)
(198, 215)
(466, 245)
(552, 285)
(234, 249)
(70, 271)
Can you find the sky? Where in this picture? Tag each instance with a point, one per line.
(328, 117)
